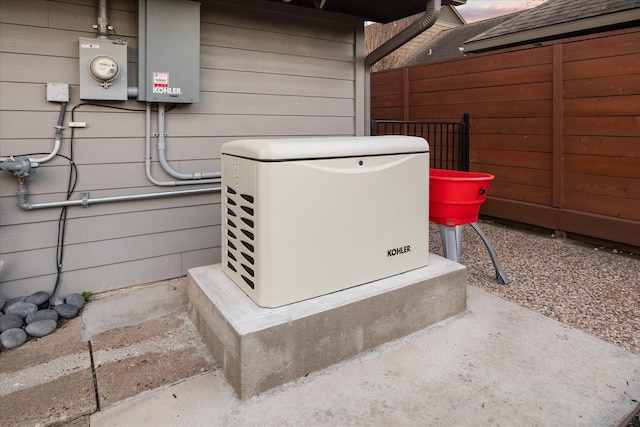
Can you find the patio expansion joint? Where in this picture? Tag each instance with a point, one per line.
(94, 376)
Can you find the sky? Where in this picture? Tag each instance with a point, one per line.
(477, 10)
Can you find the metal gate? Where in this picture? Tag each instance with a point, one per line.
(448, 141)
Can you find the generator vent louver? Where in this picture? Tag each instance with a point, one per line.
(240, 237)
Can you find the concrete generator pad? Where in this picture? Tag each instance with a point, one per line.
(261, 348)
(497, 364)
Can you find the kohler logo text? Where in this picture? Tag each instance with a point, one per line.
(168, 90)
(398, 251)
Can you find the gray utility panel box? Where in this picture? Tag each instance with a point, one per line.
(169, 51)
(103, 69)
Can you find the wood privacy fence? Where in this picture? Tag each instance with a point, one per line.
(558, 124)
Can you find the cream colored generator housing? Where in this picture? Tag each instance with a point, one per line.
(310, 216)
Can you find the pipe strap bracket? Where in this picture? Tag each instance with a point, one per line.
(85, 199)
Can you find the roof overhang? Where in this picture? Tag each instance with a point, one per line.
(593, 24)
(382, 11)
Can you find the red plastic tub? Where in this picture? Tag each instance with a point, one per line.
(455, 197)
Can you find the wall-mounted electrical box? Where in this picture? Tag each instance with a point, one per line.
(169, 51)
(58, 92)
(103, 69)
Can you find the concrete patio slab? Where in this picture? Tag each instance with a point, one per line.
(143, 339)
(47, 381)
(496, 364)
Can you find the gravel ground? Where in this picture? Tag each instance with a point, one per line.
(595, 289)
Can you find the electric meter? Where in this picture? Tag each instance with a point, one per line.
(104, 68)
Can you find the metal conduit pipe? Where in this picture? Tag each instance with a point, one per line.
(103, 20)
(85, 201)
(24, 204)
(58, 138)
(162, 147)
(56, 144)
(427, 20)
(147, 161)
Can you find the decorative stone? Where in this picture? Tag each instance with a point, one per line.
(38, 298)
(47, 313)
(41, 328)
(55, 301)
(12, 338)
(75, 299)
(14, 300)
(10, 321)
(67, 311)
(22, 309)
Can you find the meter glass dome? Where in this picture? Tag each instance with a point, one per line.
(104, 68)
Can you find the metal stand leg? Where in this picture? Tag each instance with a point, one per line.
(451, 241)
(500, 274)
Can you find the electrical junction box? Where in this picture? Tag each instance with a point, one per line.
(169, 51)
(306, 217)
(58, 92)
(103, 69)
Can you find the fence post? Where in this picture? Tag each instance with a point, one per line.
(464, 143)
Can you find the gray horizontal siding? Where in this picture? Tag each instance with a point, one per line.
(103, 278)
(251, 40)
(277, 105)
(19, 96)
(15, 67)
(38, 41)
(25, 12)
(25, 237)
(263, 125)
(258, 82)
(75, 16)
(265, 72)
(271, 63)
(38, 262)
(34, 124)
(255, 15)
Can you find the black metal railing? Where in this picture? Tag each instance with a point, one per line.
(448, 141)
